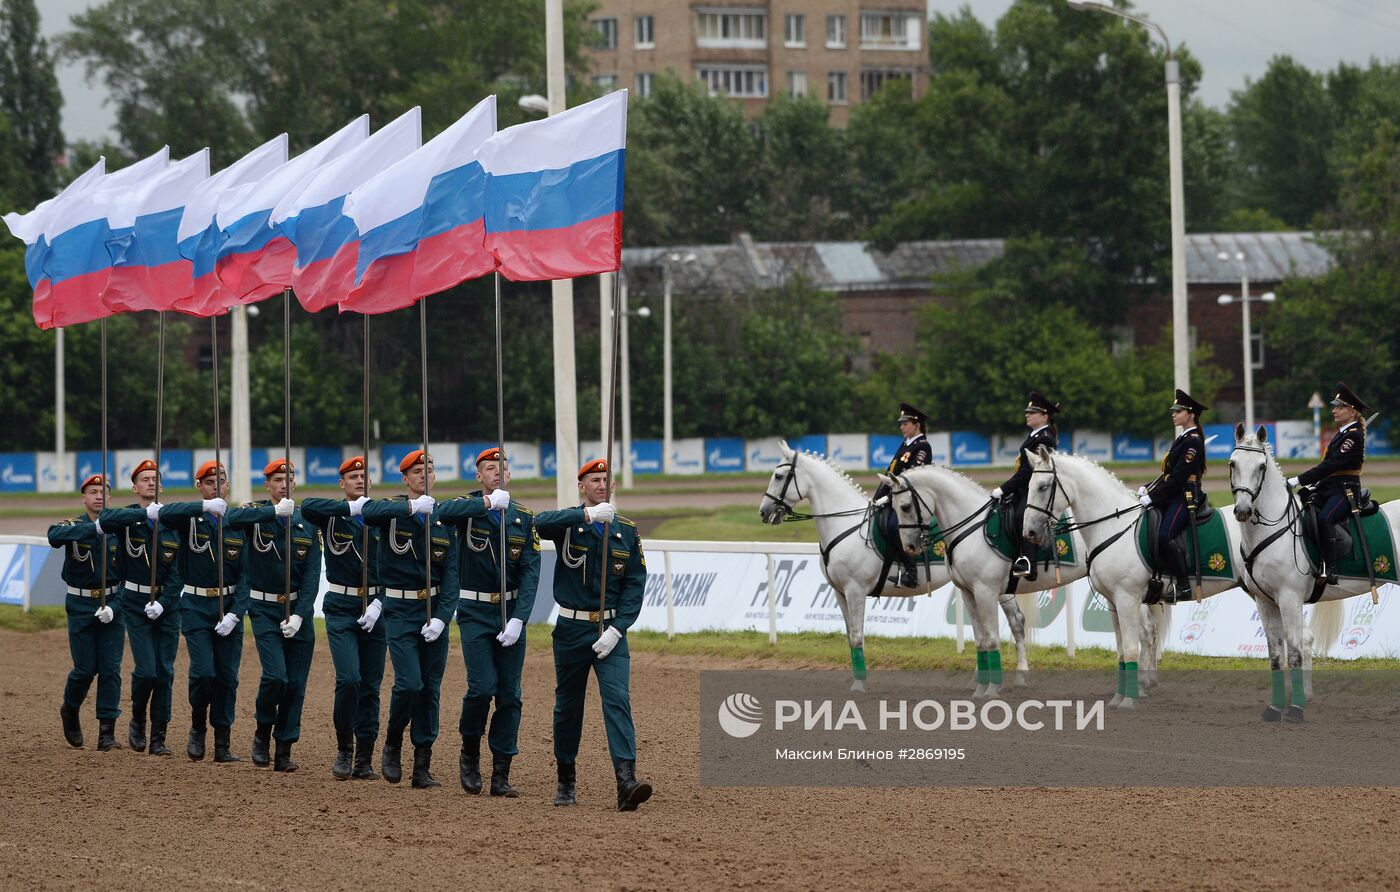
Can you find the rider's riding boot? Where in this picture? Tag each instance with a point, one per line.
(1333, 555)
(1022, 567)
(1175, 554)
(908, 576)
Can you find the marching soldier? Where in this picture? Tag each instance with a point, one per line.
(915, 451)
(94, 633)
(495, 656)
(357, 639)
(213, 636)
(1337, 478)
(416, 611)
(1040, 414)
(578, 534)
(286, 643)
(1177, 492)
(152, 624)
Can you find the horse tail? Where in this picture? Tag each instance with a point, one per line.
(1326, 626)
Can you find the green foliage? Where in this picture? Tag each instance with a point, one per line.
(30, 135)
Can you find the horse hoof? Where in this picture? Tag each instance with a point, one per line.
(1115, 700)
(1272, 714)
(1022, 679)
(858, 686)
(993, 691)
(1127, 703)
(980, 692)
(1293, 714)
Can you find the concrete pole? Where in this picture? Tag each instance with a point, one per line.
(625, 459)
(565, 384)
(241, 424)
(1181, 348)
(60, 427)
(666, 431)
(1248, 358)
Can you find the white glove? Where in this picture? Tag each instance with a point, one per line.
(154, 610)
(153, 511)
(216, 507)
(882, 501)
(225, 625)
(432, 629)
(607, 641)
(104, 614)
(290, 627)
(498, 499)
(996, 493)
(371, 616)
(1292, 481)
(1142, 491)
(601, 512)
(423, 504)
(512, 632)
(358, 505)
(97, 525)
(1145, 501)
(285, 508)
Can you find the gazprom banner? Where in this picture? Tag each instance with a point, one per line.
(1093, 445)
(1295, 439)
(762, 454)
(55, 475)
(724, 455)
(322, 465)
(177, 467)
(883, 449)
(848, 451)
(18, 472)
(1126, 447)
(524, 461)
(549, 461)
(971, 448)
(646, 457)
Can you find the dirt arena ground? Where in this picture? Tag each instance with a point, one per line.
(120, 820)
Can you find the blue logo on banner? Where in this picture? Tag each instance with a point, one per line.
(1224, 442)
(322, 464)
(549, 460)
(810, 443)
(646, 456)
(90, 463)
(13, 572)
(1129, 448)
(724, 455)
(18, 472)
(177, 467)
(971, 449)
(1380, 440)
(883, 449)
(467, 453)
(390, 454)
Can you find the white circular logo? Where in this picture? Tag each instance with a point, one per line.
(740, 715)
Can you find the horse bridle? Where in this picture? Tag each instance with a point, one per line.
(788, 511)
(1253, 494)
(919, 506)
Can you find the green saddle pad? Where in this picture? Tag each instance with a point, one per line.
(934, 554)
(1380, 542)
(1217, 557)
(999, 539)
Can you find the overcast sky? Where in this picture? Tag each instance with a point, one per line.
(1234, 40)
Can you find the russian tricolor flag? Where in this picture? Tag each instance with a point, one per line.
(422, 220)
(327, 241)
(255, 259)
(29, 228)
(200, 238)
(554, 192)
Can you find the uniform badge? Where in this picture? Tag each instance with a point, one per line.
(167, 556)
(439, 554)
(904, 457)
(301, 551)
(617, 567)
(1346, 445)
(1191, 454)
(231, 552)
(514, 551)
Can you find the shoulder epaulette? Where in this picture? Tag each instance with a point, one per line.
(66, 523)
(624, 521)
(523, 510)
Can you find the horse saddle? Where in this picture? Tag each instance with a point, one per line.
(1205, 518)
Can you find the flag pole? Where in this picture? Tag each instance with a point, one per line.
(106, 482)
(608, 470)
(427, 478)
(364, 539)
(153, 546)
(501, 444)
(218, 465)
(287, 437)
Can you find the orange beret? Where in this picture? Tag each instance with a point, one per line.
(277, 466)
(354, 463)
(412, 459)
(147, 465)
(492, 454)
(598, 464)
(94, 479)
(206, 469)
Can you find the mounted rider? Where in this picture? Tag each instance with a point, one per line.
(1040, 413)
(915, 451)
(1177, 491)
(1336, 480)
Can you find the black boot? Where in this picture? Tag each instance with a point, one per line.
(158, 747)
(282, 761)
(194, 748)
(500, 777)
(72, 726)
(223, 738)
(630, 791)
(565, 794)
(1022, 567)
(908, 576)
(389, 764)
(1335, 552)
(422, 762)
(136, 734)
(469, 765)
(364, 760)
(344, 755)
(1175, 554)
(262, 738)
(107, 735)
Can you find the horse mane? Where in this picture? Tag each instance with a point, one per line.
(839, 472)
(945, 469)
(1096, 466)
(1251, 440)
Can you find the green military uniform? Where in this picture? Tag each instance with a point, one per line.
(214, 659)
(418, 664)
(286, 662)
(96, 646)
(153, 642)
(493, 670)
(581, 552)
(358, 655)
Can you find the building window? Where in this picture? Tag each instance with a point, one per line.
(739, 81)
(606, 34)
(795, 30)
(644, 84)
(797, 84)
(872, 79)
(836, 32)
(836, 87)
(889, 31)
(605, 83)
(1256, 350)
(646, 32)
(747, 29)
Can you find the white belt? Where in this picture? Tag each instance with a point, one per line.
(94, 592)
(591, 616)
(492, 597)
(353, 591)
(209, 592)
(411, 594)
(143, 589)
(271, 596)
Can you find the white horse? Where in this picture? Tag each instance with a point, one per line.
(961, 507)
(841, 511)
(1107, 513)
(1275, 558)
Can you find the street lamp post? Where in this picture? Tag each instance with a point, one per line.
(666, 426)
(1181, 356)
(625, 347)
(1245, 300)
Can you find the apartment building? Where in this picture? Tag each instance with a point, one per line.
(840, 51)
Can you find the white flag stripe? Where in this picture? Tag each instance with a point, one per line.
(337, 177)
(28, 227)
(164, 190)
(586, 131)
(262, 195)
(84, 209)
(204, 199)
